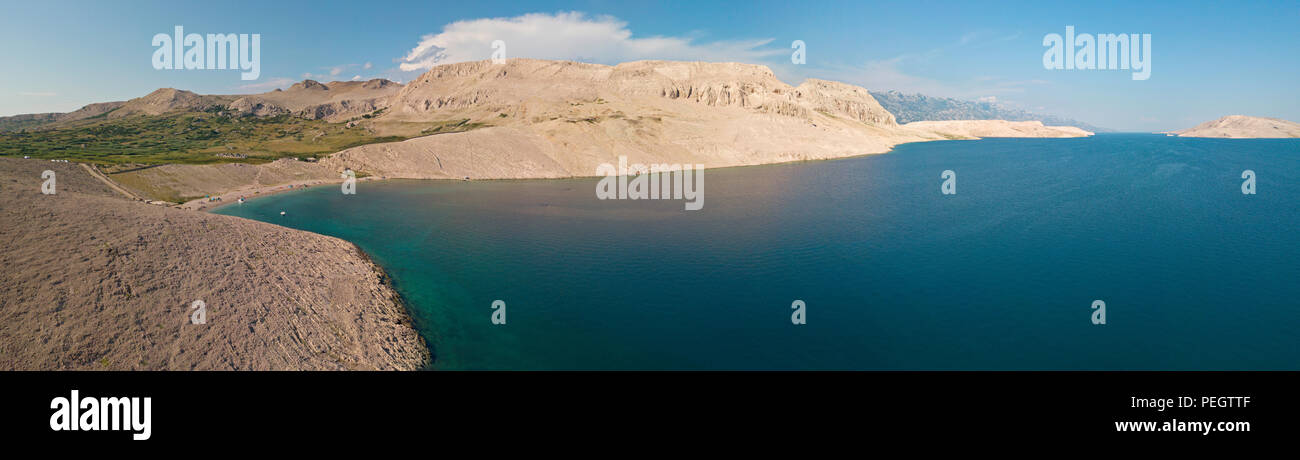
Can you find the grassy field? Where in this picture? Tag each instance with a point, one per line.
(207, 137)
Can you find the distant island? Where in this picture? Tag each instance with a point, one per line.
(1243, 127)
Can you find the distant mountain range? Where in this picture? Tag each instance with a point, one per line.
(908, 108)
(338, 101)
(312, 100)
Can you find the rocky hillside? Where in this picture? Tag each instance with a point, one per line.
(335, 101)
(106, 283)
(168, 100)
(309, 99)
(1242, 126)
(563, 119)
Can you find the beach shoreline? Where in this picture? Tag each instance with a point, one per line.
(251, 192)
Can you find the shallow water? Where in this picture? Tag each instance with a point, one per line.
(895, 275)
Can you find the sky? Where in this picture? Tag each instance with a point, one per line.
(1208, 59)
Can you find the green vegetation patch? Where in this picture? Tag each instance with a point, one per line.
(193, 138)
(452, 126)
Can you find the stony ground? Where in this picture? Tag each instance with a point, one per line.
(92, 280)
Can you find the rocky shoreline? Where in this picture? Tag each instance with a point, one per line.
(99, 282)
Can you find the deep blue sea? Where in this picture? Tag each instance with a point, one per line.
(894, 274)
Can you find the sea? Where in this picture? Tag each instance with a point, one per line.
(862, 263)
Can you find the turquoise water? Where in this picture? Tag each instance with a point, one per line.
(895, 275)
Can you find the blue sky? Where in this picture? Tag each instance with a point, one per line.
(1209, 59)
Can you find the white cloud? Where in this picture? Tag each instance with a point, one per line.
(356, 77)
(367, 66)
(570, 36)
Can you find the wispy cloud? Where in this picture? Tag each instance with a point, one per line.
(570, 36)
(38, 94)
(986, 37)
(333, 72)
(894, 73)
(269, 84)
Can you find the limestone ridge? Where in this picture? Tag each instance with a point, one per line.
(310, 99)
(523, 92)
(519, 82)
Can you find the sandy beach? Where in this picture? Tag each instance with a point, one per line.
(252, 192)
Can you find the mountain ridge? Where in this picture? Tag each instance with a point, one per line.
(911, 107)
(340, 100)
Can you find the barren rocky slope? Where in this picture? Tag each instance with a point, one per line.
(166, 100)
(563, 119)
(335, 101)
(1241, 126)
(94, 281)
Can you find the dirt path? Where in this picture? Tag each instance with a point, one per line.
(94, 172)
